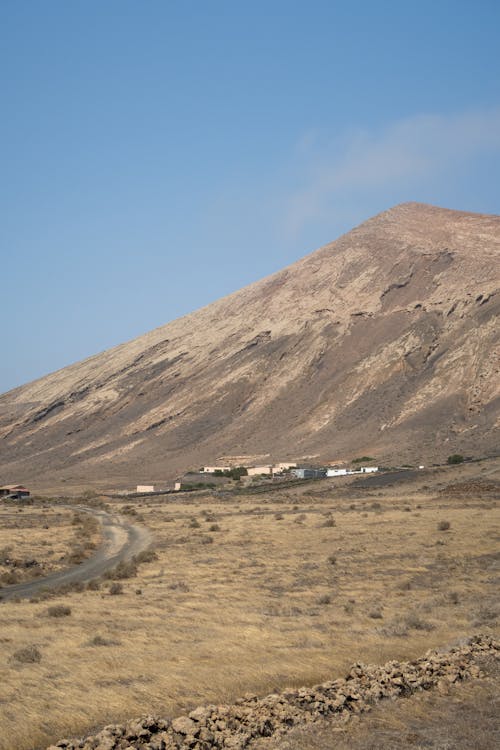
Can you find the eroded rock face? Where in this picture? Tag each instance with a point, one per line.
(384, 340)
(235, 726)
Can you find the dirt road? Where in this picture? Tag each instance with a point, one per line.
(121, 541)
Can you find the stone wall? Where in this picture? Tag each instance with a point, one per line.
(235, 726)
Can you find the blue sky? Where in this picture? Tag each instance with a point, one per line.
(158, 155)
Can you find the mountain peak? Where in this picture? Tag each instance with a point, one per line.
(379, 343)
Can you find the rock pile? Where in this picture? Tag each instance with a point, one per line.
(235, 726)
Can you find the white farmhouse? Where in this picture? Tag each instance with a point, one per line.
(336, 472)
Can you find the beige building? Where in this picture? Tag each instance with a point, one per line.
(145, 488)
(254, 471)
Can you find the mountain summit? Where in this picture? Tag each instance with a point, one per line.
(384, 342)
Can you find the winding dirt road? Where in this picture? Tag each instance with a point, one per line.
(121, 541)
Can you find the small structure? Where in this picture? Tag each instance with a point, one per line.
(337, 472)
(368, 469)
(145, 488)
(14, 491)
(282, 466)
(254, 471)
(214, 469)
(177, 486)
(308, 473)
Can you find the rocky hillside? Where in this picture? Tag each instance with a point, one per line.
(384, 342)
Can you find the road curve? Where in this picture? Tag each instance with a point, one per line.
(121, 541)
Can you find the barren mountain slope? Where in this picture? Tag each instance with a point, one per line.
(384, 342)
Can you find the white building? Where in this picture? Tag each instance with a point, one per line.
(368, 469)
(337, 472)
(213, 469)
(145, 488)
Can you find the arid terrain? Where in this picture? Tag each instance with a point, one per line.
(384, 342)
(36, 541)
(256, 593)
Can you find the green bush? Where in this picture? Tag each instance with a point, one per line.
(456, 458)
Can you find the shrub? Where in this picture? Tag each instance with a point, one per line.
(214, 527)
(443, 525)
(27, 655)
(332, 559)
(77, 556)
(147, 555)
(93, 585)
(324, 599)
(179, 586)
(99, 640)
(59, 610)
(123, 570)
(329, 523)
(115, 589)
(455, 458)
(279, 516)
(414, 622)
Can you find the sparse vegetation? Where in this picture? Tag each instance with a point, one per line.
(271, 603)
(59, 610)
(443, 525)
(27, 655)
(455, 458)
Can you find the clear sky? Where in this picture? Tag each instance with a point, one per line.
(158, 155)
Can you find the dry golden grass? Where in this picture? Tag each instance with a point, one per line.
(466, 718)
(252, 594)
(39, 539)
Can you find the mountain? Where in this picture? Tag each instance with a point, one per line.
(384, 342)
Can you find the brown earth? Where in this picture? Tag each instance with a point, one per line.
(384, 342)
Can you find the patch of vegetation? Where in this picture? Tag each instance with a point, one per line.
(27, 655)
(236, 473)
(362, 459)
(455, 458)
(187, 486)
(124, 569)
(59, 610)
(99, 640)
(443, 525)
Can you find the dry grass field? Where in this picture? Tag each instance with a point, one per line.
(465, 718)
(39, 538)
(252, 593)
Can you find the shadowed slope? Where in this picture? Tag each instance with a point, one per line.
(384, 342)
